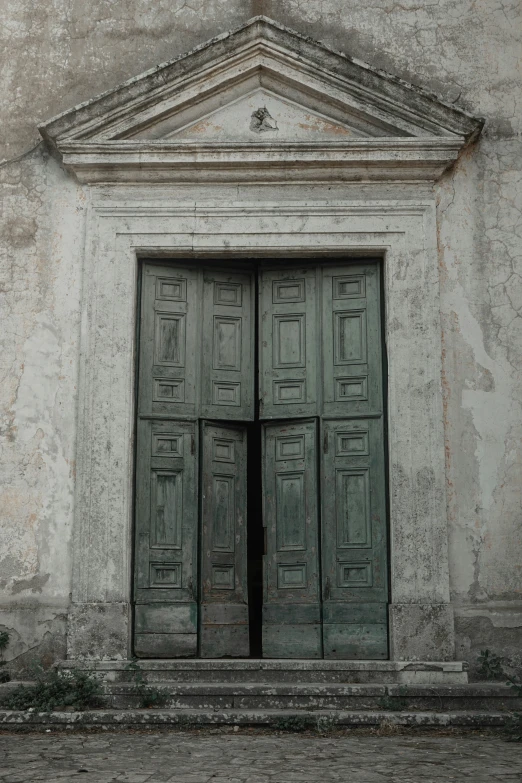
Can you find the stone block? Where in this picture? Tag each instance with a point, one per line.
(421, 632)
(98, 631)
(36, 635)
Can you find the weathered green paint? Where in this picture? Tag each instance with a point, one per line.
(320, 357)
(168, 357)
(196, 343)
(354, 534)
(224, 593)
(227, 346)
(291, 561)
(288, 334)
(351, 340)
(195, 359)
(165, 580)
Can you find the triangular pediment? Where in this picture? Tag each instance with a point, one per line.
(260, 115)
(261, 85)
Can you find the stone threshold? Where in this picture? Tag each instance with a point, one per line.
(276, 719)
(384, 672)
(280, 664)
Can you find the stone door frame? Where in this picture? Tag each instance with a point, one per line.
(207, 221)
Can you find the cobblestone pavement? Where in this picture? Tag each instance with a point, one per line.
(205, 757)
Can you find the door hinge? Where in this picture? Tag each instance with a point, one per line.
(265, 541)
(193, 445)
(327, 589)
(325, 443)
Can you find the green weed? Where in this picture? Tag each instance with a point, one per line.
(148, 696)
(57, 690)
(490, 666)
(293, 723)
(4, 642)
(394, 703)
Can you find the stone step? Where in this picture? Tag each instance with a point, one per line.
(303, 696)
(267, 671)
(276, 719)
(306, 696)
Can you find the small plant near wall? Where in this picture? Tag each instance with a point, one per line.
(323, 724)
(514, 727)
(294, 723)
(396, 703)
(148, 696)
(490, 666)
(4, 641)
(55, 690)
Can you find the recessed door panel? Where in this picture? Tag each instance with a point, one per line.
(289, 351)
(291, 611)
(351, 340)
(227, 346)
(354, 551)
(224, 593)
(168, 337)
(165, 582)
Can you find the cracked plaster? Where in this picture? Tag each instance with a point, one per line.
(39, 302)
(58, 54)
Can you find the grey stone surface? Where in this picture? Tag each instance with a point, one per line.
(309, 695)
(253, 696)
(425, 631)
(253, 757)
(280, 671)
(467, 54)
(216, 715)
(97, 630)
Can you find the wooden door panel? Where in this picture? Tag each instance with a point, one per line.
(166, 539)
(354, 550)
(196, 343)
(168, 371)
(291, 608)
(354, 532)
(367, 641)
(227, 346)
(195, 357)
(287, 337)
(351, 340)
(224, 593)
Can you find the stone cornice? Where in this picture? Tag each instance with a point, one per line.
(390, 131)
(361, 160)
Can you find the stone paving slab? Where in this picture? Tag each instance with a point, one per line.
(251, 756)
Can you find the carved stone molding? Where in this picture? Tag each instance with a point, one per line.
(261, 104)
(124, 226)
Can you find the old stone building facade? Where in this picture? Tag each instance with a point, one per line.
(261, 341)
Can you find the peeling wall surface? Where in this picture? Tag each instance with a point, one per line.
(58, 54)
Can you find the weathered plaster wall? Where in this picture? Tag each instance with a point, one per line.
(480, 254)
(39, 301)
(58, 54)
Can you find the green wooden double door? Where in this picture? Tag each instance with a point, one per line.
(277, 367)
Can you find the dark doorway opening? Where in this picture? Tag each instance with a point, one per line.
(255, 530)
(255, 539)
